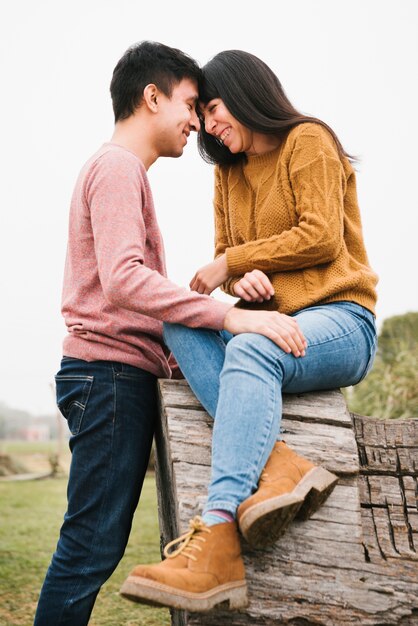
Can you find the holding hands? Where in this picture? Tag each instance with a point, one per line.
(254, 286)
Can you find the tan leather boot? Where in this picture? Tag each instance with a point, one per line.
(206, 570)
(290, 486)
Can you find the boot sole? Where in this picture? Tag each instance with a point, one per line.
(318, 486)
(265, 522)
(230, 595)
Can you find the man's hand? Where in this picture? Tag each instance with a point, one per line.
(254, 286)
(210, 276)
(280, 328)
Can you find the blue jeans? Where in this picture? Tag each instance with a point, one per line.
(111, 410)
(239, 380)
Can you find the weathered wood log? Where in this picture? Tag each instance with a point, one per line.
(355, 562)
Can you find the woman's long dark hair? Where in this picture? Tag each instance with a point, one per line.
(253, 94)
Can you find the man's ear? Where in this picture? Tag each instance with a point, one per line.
(151, 95)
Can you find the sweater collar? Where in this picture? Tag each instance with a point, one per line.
(256, 163)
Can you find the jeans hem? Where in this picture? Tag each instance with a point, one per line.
(222, 505)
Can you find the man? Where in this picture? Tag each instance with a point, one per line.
(115, 298)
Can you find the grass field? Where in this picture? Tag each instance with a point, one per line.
(31, 514)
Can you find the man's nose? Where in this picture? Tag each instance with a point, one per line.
(195, 122)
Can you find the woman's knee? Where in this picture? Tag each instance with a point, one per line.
(243, 342)
(251, 347)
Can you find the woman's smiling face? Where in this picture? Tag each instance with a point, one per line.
(220, 123)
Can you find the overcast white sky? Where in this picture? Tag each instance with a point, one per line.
(354, 66)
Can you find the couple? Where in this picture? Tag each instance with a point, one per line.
(288, 244)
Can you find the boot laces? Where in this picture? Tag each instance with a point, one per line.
(189, 540)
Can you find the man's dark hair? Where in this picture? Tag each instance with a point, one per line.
(144, 63)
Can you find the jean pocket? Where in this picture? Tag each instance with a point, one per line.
(72, 396)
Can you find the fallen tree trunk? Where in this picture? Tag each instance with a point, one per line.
(355, 561)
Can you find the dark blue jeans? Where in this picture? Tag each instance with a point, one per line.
(111, 410)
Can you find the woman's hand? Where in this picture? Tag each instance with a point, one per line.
(280, 328)
(254, 286)
(210, 276)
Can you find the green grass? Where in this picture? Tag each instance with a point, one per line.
(31, 515)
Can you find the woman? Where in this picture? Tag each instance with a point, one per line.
(288, 238)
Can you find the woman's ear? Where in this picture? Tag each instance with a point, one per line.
(151, 94)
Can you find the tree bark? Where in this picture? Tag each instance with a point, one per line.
(355, 561)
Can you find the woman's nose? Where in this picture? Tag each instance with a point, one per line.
(209, 124)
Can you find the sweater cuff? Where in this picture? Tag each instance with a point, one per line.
(236, 260)
(229, 284)
(218, 312)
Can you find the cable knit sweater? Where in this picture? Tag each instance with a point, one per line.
(116, 294)
(293, 213)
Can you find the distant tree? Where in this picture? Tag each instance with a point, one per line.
(391, 388)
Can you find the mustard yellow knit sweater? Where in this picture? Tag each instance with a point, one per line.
(293, 213)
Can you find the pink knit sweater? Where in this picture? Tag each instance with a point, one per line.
(116, 294)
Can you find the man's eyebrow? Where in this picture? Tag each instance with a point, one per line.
(192, 100)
